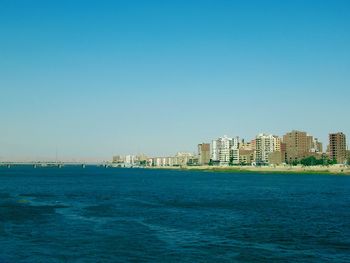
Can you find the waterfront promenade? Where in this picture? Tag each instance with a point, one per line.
(331, 169)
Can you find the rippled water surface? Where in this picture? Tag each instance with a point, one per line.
(139, 215)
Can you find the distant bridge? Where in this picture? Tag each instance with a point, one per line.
(52, 164)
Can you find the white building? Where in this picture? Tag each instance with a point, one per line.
(266, 144)
(225, 151)
(234, 155)
(181, 159)
(130, 160)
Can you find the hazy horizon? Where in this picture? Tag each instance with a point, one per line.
(89, 79)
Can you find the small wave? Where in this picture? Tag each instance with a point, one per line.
(37, 195)
(4, 196)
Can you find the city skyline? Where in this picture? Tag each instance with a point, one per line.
(88, 80)
(292, 149)
(238, 143)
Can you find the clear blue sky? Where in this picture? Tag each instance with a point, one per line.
(97, 78)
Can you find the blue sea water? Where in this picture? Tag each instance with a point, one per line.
(142, 215)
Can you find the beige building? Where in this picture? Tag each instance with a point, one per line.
(275, 158)
(246, 156)
(183, 158)
(337, 147)
(253, 144)
(278, 157)
(118, 159)
(246, 145)
(141, 157)
(277, 143)
(204, 153)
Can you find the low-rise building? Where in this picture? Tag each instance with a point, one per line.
(182, 158)
(276, 158)
(246, 157)
(140, 158)
(193, 161)
(162, 161)
(118, 159)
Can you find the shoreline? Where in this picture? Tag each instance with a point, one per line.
(281, 169)
(335, 170)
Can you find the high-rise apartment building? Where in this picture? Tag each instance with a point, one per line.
(337, 147)
(297, 145)
(265, 145)
(225, 151)
(277, 143)
(204, 153)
